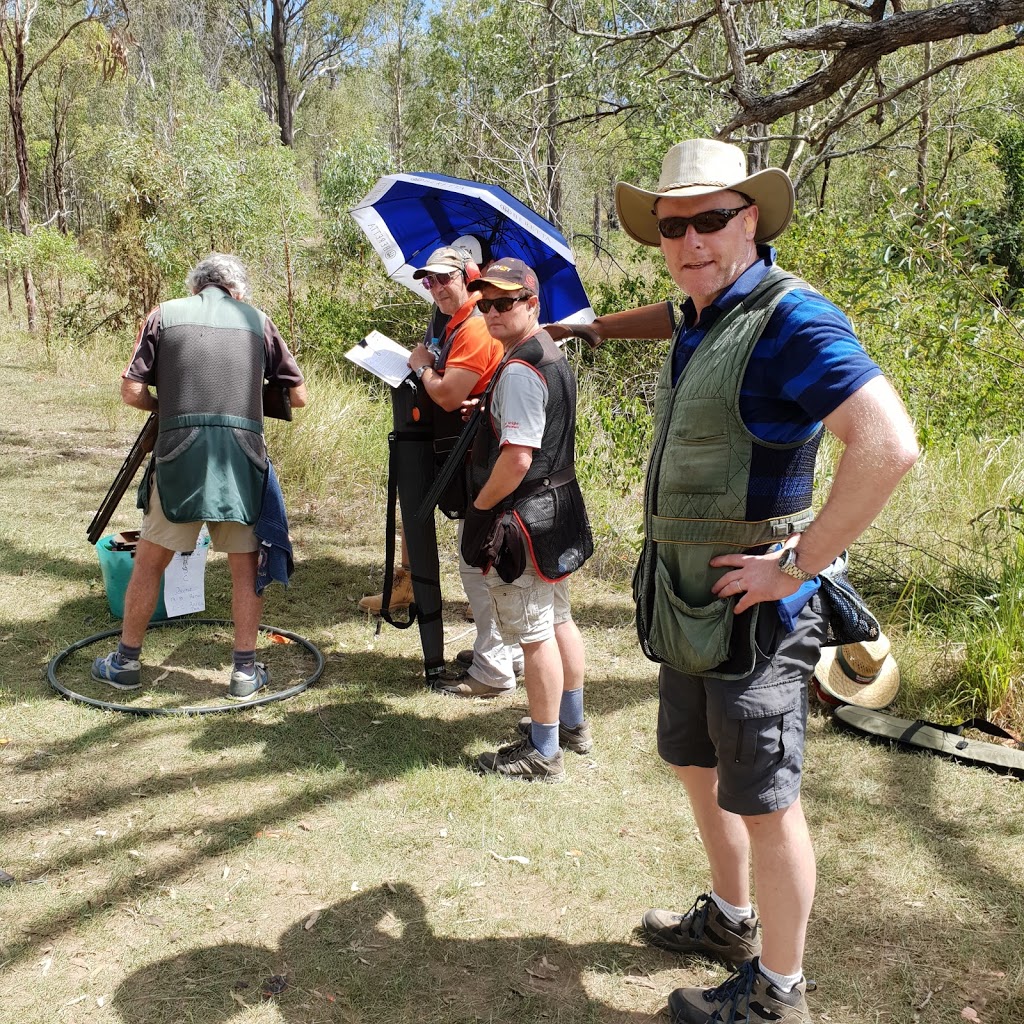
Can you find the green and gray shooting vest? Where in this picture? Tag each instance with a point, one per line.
(210, 459)
(696, 494)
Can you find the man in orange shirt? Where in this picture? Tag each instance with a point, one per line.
(453, 367)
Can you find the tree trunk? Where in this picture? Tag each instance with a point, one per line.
(8, 225)
(279, 58)
(923, 130)
(554, 178)
(21, 159)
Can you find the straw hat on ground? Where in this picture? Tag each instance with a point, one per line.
(864, 674)
(697, 167)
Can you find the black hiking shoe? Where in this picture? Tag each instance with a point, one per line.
(748, 997)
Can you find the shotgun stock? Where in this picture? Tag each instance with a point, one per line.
(140, 449)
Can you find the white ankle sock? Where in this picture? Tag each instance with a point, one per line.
(737, 915)
(783, 982)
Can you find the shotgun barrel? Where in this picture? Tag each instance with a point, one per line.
(452, 465)
(140, 449)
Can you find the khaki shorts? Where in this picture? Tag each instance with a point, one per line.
(527, 610)
(231, 538)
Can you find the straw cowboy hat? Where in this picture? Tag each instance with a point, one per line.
(697, 167)
(864, 674)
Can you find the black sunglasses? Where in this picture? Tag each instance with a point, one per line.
(705, 223)
(502, 305)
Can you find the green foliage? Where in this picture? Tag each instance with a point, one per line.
(1005, 220)
(219, 180)
(993, 663)
(923, 291)
(329, 324)
(349, 175)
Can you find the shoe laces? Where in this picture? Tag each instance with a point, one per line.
(696, 918)
(733, 993)
(515, 747)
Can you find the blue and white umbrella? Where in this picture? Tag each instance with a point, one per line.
(407, 216)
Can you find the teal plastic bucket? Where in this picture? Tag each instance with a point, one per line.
(116, 568)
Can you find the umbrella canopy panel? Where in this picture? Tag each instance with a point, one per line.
(407, 216)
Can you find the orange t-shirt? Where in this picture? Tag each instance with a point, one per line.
(472, 347)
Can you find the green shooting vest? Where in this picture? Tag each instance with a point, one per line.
(210, 459)
(695, 498)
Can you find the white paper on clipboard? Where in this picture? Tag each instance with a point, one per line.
(185, 579)
(383, 357)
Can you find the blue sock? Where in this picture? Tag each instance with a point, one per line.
(544, 738)
(244, 660)
(126, 653)
(570, 711)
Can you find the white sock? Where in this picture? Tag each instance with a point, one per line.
(737, 915)
(783, 982)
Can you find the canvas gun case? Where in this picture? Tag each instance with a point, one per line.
(945, 740)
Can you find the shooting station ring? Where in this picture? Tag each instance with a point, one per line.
(51, 673)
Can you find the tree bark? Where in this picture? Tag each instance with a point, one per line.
(279, 59)
(21, 159)
(858, 45)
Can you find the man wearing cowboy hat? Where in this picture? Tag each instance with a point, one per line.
(759, 363)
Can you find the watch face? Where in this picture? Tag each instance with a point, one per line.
(787, 564)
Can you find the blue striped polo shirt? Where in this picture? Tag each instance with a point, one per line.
(806, 364)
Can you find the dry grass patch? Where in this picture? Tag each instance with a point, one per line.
(173, 867)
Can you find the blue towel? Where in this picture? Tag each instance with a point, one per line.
(789, 608)
(275, 561)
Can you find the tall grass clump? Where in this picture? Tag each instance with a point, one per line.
(613, 436)
(993, 662)
(337, 445)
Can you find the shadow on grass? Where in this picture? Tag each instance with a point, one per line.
(375, 958)
(347, 732)
(896, 935)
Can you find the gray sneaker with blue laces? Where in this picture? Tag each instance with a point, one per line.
(125, 675)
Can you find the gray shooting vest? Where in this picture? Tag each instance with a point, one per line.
(696, 494)
(210, 460)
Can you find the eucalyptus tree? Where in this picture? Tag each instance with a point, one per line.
(795, 74)
(511, 92)
(196, 169)
(293, 45)
(31, 35)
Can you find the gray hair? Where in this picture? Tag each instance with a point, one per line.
(221, 269)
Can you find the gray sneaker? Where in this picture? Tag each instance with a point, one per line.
(522, 760)
(125, 675)
(747, 996)
(703, 930)
(578, 740)
(245, 684)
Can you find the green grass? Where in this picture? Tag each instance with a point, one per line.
(172, 866)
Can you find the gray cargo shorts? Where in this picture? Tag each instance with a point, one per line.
(751, 729)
